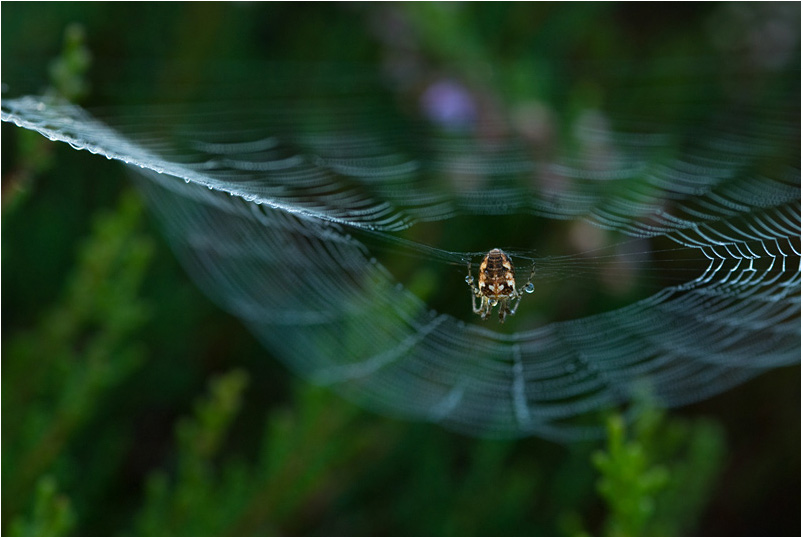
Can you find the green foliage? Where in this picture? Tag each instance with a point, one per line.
(439, 484)
(656, 479)
(68, 80)
(52, 513)
(629, 481)
(699, 457)
(68, 72)
(57, 375)
(298, 464)
(185, 507)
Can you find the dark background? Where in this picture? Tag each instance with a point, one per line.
(395, 478)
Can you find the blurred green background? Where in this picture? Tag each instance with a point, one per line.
(132, 405)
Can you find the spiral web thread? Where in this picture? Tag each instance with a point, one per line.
(271, 221)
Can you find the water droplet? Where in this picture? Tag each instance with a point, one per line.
(529, 288)
(494, 302)
(469, 279)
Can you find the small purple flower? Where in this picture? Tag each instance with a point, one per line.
(449, 104)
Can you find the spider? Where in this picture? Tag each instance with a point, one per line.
(497, 285)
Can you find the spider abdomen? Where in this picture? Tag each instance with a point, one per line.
(497, 278)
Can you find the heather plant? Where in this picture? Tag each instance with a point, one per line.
(132, 405)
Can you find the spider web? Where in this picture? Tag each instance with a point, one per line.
(292, 213)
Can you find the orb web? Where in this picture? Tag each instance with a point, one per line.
(288, 212)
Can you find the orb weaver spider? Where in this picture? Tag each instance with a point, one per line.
(497, 286)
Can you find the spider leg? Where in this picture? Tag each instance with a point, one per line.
(478, 309)
(504, 310)
(513, 309)
(483, 308)
(518, 294)
(470, 281)
(486, 308)
(529, 279)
